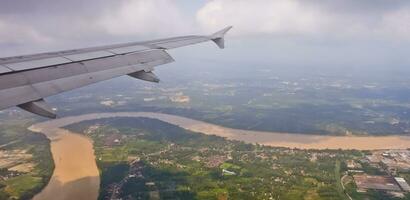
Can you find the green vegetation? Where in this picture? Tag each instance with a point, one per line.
(18, 186)
(24, 185)
(271, 101)
(152, 158)
(338, 179)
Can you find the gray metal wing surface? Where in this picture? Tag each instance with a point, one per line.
(26, 80)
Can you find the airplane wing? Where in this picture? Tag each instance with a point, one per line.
(26, 80)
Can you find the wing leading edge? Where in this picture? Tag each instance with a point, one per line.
(26, 80)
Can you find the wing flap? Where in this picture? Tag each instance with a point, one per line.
(33, 64)
(180, 43)
(129, 49)
(89, 55)
(4, 69)
(82, 57)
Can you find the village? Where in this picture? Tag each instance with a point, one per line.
(389, 164)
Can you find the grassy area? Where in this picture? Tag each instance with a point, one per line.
(17, 187)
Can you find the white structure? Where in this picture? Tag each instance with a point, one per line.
(403, 184)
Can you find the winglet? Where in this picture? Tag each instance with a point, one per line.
(218, 37)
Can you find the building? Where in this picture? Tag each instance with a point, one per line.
(403, 184)
(385, 183)
(351, 164)
(226, 172)
(113, 140)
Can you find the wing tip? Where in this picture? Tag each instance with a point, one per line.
(219, 37)
(221, 33)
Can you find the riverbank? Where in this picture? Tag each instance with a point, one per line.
(275, 139)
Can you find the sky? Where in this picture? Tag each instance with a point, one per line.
(330, 34)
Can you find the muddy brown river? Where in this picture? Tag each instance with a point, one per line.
(76, 175)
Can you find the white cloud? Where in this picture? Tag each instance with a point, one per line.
(260, 16)
(144, 17)
(13, 33)
(396, 23)
(298, 17)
